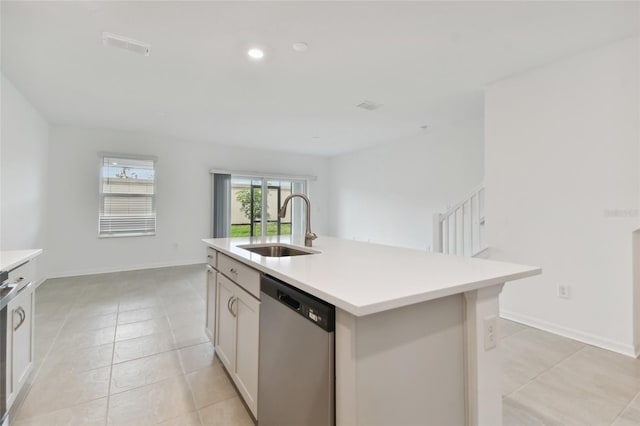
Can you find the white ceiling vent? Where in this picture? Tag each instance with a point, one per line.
(368, 105)
(122, 42)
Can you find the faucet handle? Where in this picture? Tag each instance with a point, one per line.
(308, 238)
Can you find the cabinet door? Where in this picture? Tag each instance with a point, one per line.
(247, 309)
(226, 322)
(20, 321)
(211, 304)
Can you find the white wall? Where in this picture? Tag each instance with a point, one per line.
(562, 184)
(24, 146)
(389, 193)
(184, 216)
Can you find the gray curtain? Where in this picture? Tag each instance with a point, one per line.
(221, 205)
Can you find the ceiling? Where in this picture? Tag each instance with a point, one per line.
(425, 62)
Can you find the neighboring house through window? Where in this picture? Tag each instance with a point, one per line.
(127, 196)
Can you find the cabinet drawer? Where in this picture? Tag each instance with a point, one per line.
(211, 257)
(23, 275)
(246, 277)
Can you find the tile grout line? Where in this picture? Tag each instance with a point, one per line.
(184, 372)
(547, 369)
(78, 303)
(237, 395)
(193, 397)
(514, 333)
(113, 351)
(625, 407)
(36, 372)
(177, 349)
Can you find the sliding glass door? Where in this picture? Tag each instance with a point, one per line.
(254, 215)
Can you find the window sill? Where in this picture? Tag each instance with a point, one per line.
(132, 234)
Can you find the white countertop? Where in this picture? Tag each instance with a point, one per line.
(9, 259)
(363, 278)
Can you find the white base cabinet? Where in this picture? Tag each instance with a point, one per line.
(236, 341)
(225, 342)
(20, 333)
(245, 370)
(210, 322)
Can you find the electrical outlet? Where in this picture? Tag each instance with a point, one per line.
(490, 332)
(564, 291)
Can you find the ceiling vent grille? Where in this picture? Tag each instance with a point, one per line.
(126, 43)
(369, 106)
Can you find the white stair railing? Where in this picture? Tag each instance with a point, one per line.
(461, 230)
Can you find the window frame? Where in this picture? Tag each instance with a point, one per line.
(304, 180)
(264, 188)
(101, 194)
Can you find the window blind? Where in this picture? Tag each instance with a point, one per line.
(127, 197)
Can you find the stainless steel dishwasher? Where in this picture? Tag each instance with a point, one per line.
(296, 384)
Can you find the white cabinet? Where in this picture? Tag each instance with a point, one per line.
(233, 321)
(20, 336)
(236, 342)
(243, 275)
(225, 342)
(247, 310)
(210, 322)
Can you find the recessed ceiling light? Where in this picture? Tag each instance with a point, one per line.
(255, 53)
(300, 46)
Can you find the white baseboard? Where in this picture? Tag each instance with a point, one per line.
(590, 339)
(38, 283)
(107, 270)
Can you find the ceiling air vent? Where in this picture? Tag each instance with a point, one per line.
(122, 42)
(368, 105)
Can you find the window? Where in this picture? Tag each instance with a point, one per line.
(239, 205)
(127, 196)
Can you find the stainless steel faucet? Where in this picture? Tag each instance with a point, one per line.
(309, 236)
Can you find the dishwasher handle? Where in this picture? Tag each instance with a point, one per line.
(285, 298)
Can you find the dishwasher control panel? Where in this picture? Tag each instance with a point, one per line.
(315, 316)
(313, 309)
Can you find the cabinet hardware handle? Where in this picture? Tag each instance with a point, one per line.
(233, 271)
(232, 302)
(209, 256)
(229, 305)
(22, 314)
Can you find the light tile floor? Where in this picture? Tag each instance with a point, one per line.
(552, 380)
(129, 349)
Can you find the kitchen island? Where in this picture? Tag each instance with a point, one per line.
(416, 332)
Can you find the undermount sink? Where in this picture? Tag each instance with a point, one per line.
(276, 250)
